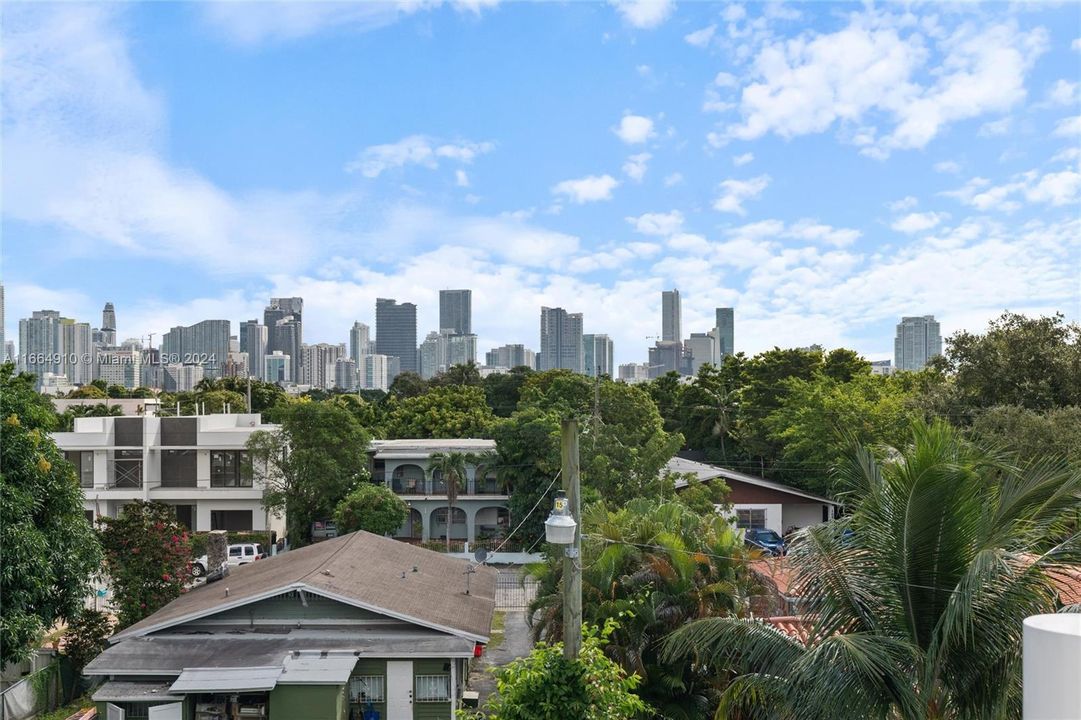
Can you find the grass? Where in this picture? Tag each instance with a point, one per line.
(499, 623)
(62, 713)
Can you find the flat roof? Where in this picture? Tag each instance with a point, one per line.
(413, 448)
(307, 668)
(123, 691)
(216, 679)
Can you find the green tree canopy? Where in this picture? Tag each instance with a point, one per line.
(467, 374)
(1029, 362)
(915, 600)
(48, 551)
(503, 390)
(147, 558)
(1029, 433)
(442, 412)
(544, 685)
(528, 448)
(92, 392)
(408, 384)
(310, 464)
(653, 566)
(66, 419)
(371, 507)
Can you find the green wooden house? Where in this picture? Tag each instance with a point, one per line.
(320, 633)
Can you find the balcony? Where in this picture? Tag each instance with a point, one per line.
(127, 475)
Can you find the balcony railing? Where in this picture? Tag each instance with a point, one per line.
(128, 475)
(437, 487)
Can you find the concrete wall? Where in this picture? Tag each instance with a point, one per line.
(800, 514)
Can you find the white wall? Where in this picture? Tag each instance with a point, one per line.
(800, 514)
(1052, 666)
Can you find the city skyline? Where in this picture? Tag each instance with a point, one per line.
(679, 163)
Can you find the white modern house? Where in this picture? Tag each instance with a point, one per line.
(196, 463)
(759, 503)
(480, 511)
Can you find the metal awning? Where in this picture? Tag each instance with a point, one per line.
(119, 691)
(237, 679)
(317, 668)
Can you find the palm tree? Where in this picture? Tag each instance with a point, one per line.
(653, 566)
(915, 600)
(451, 466)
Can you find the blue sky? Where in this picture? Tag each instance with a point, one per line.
(823, 168)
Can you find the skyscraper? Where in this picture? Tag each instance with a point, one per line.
(205, 343)
(283, 318)
(598, 355)
(396, 332)
(560, 340)
(511, 356)
(108, 325)
(702, 348)
(39, 343)
(671, 316)
(917, 341)
(77, 361)
(726, 333)
(253, 341)
(319, 362)
(276, 367)
(456, 311)
(360, 342)
(668, 356)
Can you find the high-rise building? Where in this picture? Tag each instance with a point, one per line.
(276, 367)
(917, 341)
(375, 372)
(253, 341)
(77, 362)
(671, 316)
(39, 343)
(881, 367)
(119, 366)
(345, 374)
(702, 348)
(598, 355)
(456, 311)
(9, 351)
(461, 349)
(108, 325)
(560, 340)
(511, 356)
(634, 372)
(443, 349)
(396, 332)
(726, 333)
(360, 342)
(283, 318)
(205, 343)
(319, 364)
(668, 356)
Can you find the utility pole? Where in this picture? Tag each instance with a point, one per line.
(572, 554)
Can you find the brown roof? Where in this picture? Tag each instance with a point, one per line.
(795, 626)
(777, 572)
(362, 569)
(1067, 580)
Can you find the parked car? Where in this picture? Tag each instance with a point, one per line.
(763, 539)
(198, 569)
(238, 554)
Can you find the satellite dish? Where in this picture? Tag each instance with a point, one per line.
(480, 555)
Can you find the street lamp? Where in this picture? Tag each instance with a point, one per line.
(560, 527)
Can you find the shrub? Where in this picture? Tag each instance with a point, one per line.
(88, 635)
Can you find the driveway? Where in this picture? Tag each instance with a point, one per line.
(516, 643)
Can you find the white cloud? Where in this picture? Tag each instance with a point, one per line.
(814, 231)
(690, 243)
(1068, 127)
(1063, 92)
(634, 129)
(906, 203)
(635, 166)
(1054, 188)
(461, 178)
(587, 189)
(917, 222)
(701, 38)
(1067, 155)
(870, 70)
(713, 103)
(657, 223)
(735, 192)
(947, 166)
(1076, 44)
(286, 21)
(673, 179)
(995, 127)
(733, 12)
(414, 150)
(741, 160)
(644, 14)
(725, 80)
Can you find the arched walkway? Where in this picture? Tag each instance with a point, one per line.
(413, 527)
(459, 526)
(408, 480)
(491, 522)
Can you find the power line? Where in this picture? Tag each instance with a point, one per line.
(531, 511)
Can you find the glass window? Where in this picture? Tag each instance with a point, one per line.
(235, 520)
(751, 519)
(433, 688)
(229, 468)
(84, 466)
(234, 552)
(367, 688)
(178, 468)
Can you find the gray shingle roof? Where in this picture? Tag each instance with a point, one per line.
(390, 577)
(706, 472)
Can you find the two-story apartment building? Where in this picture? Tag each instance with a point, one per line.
(480, 511)
(197, 464)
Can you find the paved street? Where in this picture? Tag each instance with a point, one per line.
(516, 643)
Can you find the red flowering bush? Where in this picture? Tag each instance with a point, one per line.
(147, 557)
